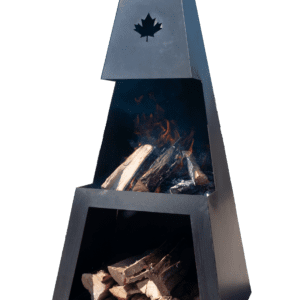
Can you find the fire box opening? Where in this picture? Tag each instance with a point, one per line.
(156, 139)
(135, 255)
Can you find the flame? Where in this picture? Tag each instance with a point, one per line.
(155, 129)
(155, 126)
(191, 147)
(189, 140)
(158, 190)
(138, 146)
(180, 165)
(139, 100)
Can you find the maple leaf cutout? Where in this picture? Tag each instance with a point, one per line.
(148, 28)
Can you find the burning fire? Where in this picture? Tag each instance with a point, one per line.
(159, 131)
(163, 159)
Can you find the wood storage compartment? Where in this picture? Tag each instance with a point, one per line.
(113, 240)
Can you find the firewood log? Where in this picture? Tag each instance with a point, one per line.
(121, 177)
(149, 288)
(126, 269)
(159, 170)
(197, 176)
(172, 268)
(123, 292)
(158, 273)
(98, 284)
(140, 276)
(184, 187)
(136, 268)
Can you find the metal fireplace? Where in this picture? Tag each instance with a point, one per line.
(162, 172)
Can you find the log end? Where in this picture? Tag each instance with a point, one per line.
(124, 292)
(94, 283)
(87, 282)
(117, 274)
(201, 178)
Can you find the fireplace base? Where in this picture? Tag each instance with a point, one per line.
(209, 244)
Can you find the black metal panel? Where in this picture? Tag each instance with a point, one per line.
(165, 55)
(233, 281)
(194, 206)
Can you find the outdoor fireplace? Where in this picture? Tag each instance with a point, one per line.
(160, 213)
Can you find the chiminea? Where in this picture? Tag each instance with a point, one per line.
(160, 210)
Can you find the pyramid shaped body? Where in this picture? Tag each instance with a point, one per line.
(157, 39)
(173, 49)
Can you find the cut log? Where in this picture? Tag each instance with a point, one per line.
(161, 168)
(98, 284)
(122, 176)
(140, 276)
(197, 176)
(136, 268)
(142, 285)
(149, 288)
(172, 269)
(120, 270)
(124, 292)
(158, 273)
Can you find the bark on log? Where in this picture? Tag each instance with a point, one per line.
(197, 176)
(121, 177)
(98, 284)
(159, 170)
(124, 292)
(172, 269)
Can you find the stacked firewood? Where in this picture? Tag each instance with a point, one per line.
(160, 274)
(168, 170)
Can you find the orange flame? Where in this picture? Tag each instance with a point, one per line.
(158, 190)
(139, 100)
(155, 125)
(191, 147)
